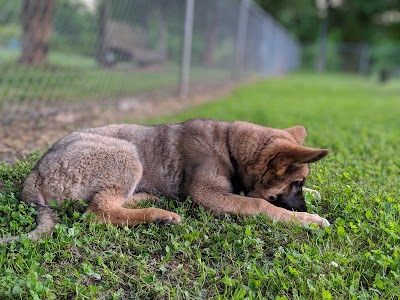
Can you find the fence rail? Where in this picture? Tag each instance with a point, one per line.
(60, 54)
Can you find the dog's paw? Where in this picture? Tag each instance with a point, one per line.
(325, 223)
(311, 219)
(166, 217)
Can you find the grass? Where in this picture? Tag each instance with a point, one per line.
(231, 257)
(71, 77)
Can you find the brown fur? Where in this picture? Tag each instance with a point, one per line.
(226, 167)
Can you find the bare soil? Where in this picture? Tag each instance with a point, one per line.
(28, 134)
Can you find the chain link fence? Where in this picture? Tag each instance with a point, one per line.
(70, 54)
(378, 60)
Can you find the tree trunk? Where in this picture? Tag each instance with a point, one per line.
(37, 21)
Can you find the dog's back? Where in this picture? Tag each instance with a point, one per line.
(166, 150)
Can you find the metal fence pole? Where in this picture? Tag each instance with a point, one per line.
(241, 38)
(322, 41)
(187, 49)
(363, 65)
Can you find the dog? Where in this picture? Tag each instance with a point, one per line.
(237, 168)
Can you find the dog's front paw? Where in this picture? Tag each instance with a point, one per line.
(164, 216)
(307, 218)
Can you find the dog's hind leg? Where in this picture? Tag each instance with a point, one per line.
(107, 205)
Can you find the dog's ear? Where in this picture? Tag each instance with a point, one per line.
(291, 154)
(299, 133)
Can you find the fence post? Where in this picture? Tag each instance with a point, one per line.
(363, 65)
(320, 65)
(103, 18)
(187, 49)
(241, 38)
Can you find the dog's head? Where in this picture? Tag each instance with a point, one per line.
(273, 164)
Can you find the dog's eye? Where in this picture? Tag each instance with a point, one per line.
(272, 198)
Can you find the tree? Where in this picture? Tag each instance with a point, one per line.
(355, 23)
(350, 20)
(352, 24)
(37, 21)
(355, 19)
(300, 17)
(74, 29)
(8, 9)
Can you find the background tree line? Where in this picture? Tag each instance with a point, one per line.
(349, 20)
(74, 28)
(349, 25)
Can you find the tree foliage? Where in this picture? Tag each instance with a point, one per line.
(8, 11)
(352, 21)
(300, 17)
(356, 20)
(75, 28)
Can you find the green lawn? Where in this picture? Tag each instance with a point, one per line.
(231, 257)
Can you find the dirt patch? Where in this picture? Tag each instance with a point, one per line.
(32, 133)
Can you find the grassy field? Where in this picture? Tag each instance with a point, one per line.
(357, 257)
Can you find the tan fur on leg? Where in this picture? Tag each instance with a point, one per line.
(230, 203)
(120, 216)
(108, 208)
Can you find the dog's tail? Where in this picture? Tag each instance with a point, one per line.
(45, 225)
(45, 219)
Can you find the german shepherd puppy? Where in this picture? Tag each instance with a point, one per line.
(237, 168)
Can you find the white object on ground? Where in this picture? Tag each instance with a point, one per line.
(315, 193)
